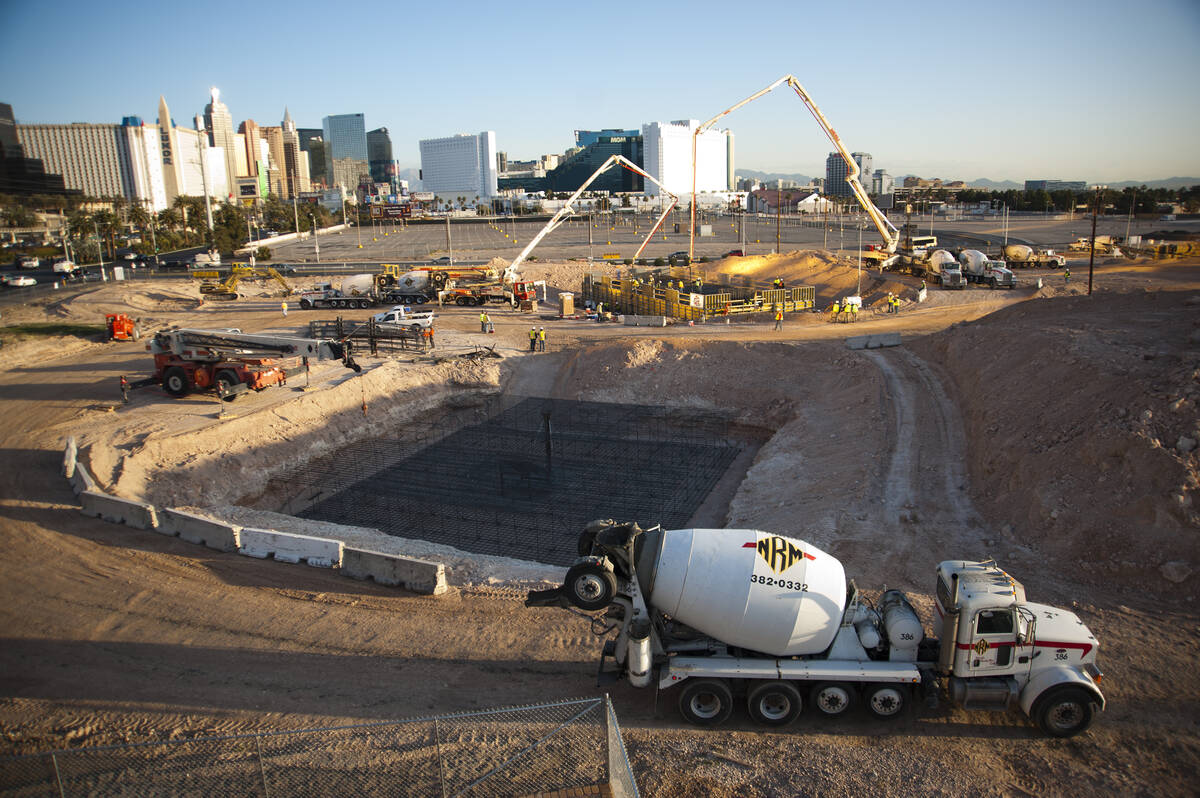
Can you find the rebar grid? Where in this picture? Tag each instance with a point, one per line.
(521, 479)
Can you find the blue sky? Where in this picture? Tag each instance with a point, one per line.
(1099, 91)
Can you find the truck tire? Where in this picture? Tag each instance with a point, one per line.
(774, 703)
(364, 304)
(1065, 711)
(887, 701)
(305, 304)
(175, 381)
(832, 699)
(590, 586)
(439, 279)
(705, 702)
(992, 283)
(226, 380)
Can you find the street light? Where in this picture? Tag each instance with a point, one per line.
(1092, 256)
(316, 244)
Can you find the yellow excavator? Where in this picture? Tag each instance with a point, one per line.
(226, 289)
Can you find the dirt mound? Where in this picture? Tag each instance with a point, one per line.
(1082, 418)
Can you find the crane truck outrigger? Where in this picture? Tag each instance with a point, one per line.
(720, 612)
(231, 362)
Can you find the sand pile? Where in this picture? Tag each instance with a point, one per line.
(1083, 422)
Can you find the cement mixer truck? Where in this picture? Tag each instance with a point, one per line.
(943, 268)
(1020, 256)
(719, 613)
(978, 268)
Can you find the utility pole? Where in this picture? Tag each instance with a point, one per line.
(1129, 221)
(296, 215)
(316, 244)
(1092, 257)
(449, 242)
(778, 216)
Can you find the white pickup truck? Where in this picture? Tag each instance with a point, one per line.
(404, 316)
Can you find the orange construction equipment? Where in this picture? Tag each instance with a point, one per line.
(121, 327)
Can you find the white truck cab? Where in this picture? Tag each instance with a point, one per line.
(405, 316)
(1000, 651)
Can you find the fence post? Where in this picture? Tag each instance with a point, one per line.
(437, 739)
(58, 776)
(262, 773)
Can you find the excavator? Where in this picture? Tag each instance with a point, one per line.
(231, 362)
(226, 289)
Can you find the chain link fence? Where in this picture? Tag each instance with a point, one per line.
(556, 749)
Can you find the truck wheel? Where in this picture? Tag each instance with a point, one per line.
(439, 278)
(774, 703)
(886, 700)
(364, 304)
(176, 382)
(590, 586)
(480, 300)
(418, 300)
(1065, 712)
(705, 702)
(137, 333)
(305, 304)
(226, 380)
(992, 283)
(832, 698)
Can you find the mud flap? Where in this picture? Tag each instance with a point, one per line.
(605, 675)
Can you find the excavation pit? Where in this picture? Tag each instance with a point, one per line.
(524, 477)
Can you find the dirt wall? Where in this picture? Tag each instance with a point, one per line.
(1081, 417)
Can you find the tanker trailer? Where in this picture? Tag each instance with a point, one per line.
(719, 613)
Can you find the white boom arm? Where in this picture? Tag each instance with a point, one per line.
(566, 210)
(888, 231)
(212, 344)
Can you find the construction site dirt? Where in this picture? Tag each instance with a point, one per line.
(1052, 430)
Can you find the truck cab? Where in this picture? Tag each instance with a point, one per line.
(999, 651)
(997, 274)
(404, 316)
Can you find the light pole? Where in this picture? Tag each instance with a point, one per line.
(316, 244)
(1092, 256)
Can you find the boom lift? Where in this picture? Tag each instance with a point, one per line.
(566, 210)
(232, 362)
(888, 231)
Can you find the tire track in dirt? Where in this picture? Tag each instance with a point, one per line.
(925, 504)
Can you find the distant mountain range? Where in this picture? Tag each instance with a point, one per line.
(983, 182)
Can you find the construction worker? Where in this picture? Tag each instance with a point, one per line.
(124, 389)
(485, 323)
(533, 339)
(284, 306)
(853, 313)
(895, 304)
(1067, 274)
(541, 339)
(834, 310)
(778, 317)
(890, 305)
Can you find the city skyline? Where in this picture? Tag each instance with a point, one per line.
(1012, 93)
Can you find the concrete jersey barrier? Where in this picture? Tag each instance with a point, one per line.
(195, 529)
(69, 456)
(419, 576)
(81, 480)
(873, 341)
(119, 511)
(286, 547)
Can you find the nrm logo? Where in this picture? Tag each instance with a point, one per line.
(779, 554)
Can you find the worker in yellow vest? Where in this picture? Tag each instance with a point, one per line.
(834, 310)
(533, 339)
(542, 339)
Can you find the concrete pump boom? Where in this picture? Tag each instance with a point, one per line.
(888, 231)
(566, 210)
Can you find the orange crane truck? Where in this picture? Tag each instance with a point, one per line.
(230, 362)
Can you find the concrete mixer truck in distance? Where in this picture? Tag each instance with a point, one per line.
(721, 613)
